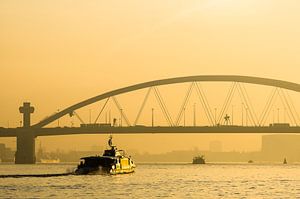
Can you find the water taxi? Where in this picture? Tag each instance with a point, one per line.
(113, 161)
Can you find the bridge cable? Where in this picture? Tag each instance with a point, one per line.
(266, 109)
(283, 103)
(160, 105)
(293, 106)
(227, 101)
(205, 104)
(207, 108)
(287, 106)
(142, 107)
(76, 114)
(183, 106)
(244, 100)
(248, 104)
(206, 101)
(271, 105)
(101, 110)
(163, 106)
(121, 110)
(249, 101)
(275, 99)
(244, 103)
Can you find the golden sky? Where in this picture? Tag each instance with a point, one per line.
(57, 53)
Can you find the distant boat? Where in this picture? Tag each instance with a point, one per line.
(284, 161)
(199, 160)
(250, 161)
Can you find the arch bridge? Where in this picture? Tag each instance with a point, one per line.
(221, 123)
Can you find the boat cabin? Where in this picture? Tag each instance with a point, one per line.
(113, 152)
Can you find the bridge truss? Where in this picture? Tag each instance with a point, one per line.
(223, 117)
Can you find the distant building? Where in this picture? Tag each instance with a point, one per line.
(215, 146)
(278, 147)
(6, 154)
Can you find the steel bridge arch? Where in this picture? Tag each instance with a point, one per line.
(200, 78)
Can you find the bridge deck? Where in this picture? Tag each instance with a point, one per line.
(146, 130)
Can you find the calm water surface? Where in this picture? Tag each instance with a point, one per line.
(157, 181)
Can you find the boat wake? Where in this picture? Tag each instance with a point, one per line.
(36, 175)
(69, 171)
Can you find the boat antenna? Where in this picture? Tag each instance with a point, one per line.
(110, 141)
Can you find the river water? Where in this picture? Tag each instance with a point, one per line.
(156, 181)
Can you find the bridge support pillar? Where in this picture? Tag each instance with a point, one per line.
(25, 138)
(25, 148)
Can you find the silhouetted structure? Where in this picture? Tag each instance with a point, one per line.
(26, 135)
(6, 154)
(199, 159)
(25, 138)
(113, 161)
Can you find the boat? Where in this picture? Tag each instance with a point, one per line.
(113, 161)
(199, 160)
(250, 161)
(284, 161)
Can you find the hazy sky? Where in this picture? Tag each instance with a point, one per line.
(57, 53)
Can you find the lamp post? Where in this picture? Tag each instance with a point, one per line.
(194, 108)
(183, 116)
(215, 116)
(90, 115)
(246, 116)
(58, 119)
(278, 115)
(121, 110)
(284, 115)
(152, 112)
(242, 114)
(232, 115)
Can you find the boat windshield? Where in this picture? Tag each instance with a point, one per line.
(110, 152)
(113, 152)
(120, 153)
